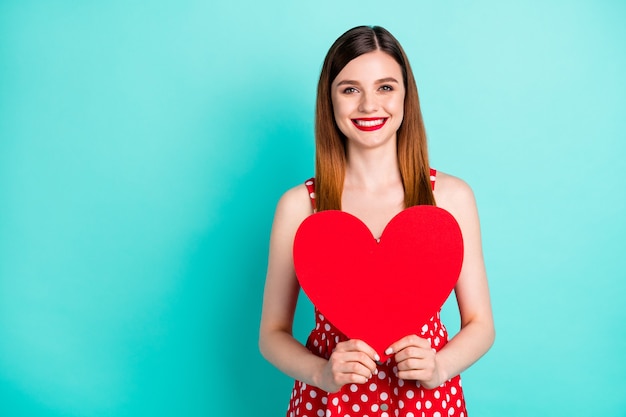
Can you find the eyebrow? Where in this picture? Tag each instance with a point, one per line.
(380, 81)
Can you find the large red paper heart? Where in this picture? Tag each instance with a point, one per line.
(379, 291)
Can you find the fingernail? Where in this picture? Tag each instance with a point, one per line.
(376, 371)
(376, 357)
(389, 351)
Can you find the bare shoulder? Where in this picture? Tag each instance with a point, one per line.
(453, 194)
(293, 207)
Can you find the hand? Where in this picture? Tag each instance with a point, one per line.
(352, 362)
(417, 360)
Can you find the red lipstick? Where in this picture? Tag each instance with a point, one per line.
(368, 124)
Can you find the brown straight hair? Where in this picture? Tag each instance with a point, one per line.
(330, 143)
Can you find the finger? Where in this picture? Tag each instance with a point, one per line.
(356, 345)
(350, 378)
(345, 368)
(361, 346)
(355, 368)
(410, 340)
(412, 364)
(413, 352)
(423, 366)
(357, 356)
(415, 374)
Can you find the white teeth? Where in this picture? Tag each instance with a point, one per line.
(369, 123)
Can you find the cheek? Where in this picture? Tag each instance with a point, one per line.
(336, 108)
(398, 104)
(342, 124)
(397, 107)
(339, 108)
(337, 113)
(338, 119)
(341, 113)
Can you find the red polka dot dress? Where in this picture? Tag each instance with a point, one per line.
(384, 395)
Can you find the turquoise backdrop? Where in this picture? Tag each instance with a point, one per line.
(143, 147)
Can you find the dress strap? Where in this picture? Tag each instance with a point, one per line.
(433, 177)
(310, 186)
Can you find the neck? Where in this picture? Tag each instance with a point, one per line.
(372, 169)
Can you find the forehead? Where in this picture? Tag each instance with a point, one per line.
(370, 67)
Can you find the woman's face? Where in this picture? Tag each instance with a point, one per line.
(368, 99)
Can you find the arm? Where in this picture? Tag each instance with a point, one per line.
(415, 358)
(351, 362)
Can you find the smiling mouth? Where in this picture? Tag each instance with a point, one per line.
(370, 123)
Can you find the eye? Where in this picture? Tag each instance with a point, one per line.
(350, 90)
(386, 87)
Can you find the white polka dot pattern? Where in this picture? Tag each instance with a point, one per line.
(384, 395)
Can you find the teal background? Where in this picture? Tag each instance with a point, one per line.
(143, 147)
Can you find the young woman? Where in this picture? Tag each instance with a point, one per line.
(372, 162)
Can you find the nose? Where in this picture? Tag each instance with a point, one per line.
(368, 103)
